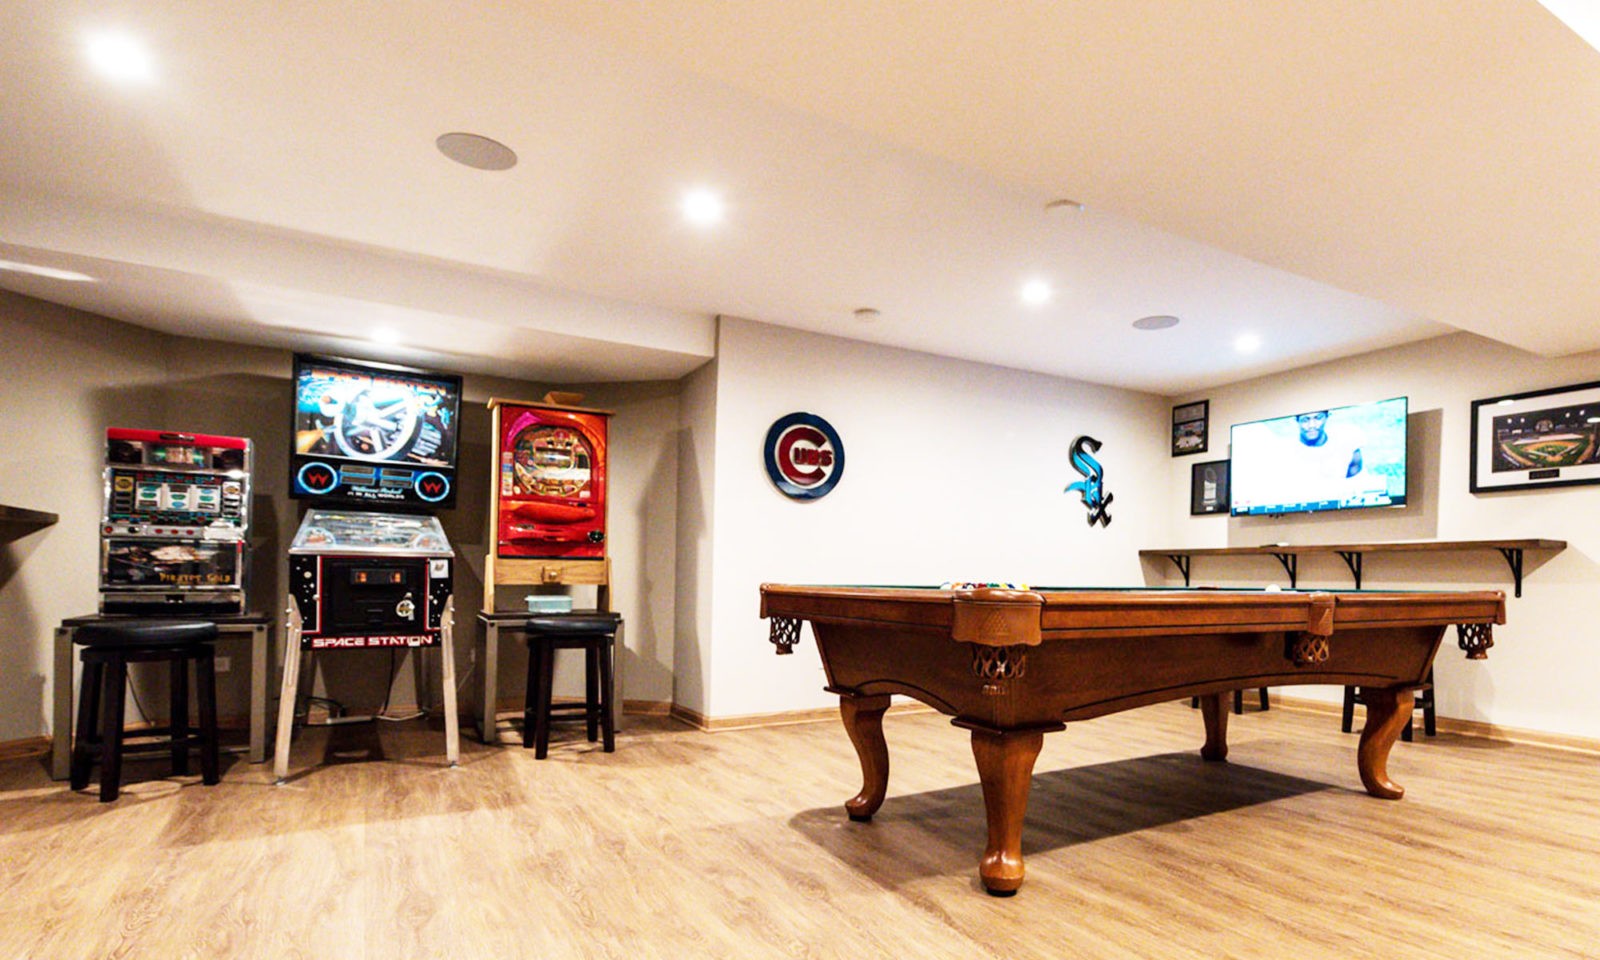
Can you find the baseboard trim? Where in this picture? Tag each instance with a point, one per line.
(786, 718)
(1464, 728)
(647, 708)
(30, 747)
(630, 708)
(25, 748)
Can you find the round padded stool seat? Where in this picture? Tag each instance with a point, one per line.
(146, 633)
(575, 625)
(108, 648)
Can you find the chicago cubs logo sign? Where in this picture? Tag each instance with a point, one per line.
(804, 455)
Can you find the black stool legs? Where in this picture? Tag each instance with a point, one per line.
(88, 713)
(205, 669)
(1423, 702)
(107, 651)
(595, 635)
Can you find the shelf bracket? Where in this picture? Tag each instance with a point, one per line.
(1182, 561)
(1291, 566)
(1513, 557)
(1352, 559)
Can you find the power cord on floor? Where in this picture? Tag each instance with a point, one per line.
(383, 711)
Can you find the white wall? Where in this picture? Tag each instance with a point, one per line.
(697, 452)
(1543, 672)
(953, 471)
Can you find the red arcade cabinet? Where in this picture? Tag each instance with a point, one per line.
(547, 505)
(550, 491)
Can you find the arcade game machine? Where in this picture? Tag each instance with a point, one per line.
(547, 508)
(174, 526)
(370, 568)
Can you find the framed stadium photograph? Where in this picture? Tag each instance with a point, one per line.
(1543, 438)
(1189, 428)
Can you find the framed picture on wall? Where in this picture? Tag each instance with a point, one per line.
(1189, 428)
(1543, 438)
(1208, 488)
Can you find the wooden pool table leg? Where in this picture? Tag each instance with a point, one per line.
(1214, 711)
(1005, 767)
(1388, 713)
(863, 721)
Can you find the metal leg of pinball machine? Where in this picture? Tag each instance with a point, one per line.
(289, 693)
(447, 652)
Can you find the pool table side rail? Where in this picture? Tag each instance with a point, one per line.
(1091, 613)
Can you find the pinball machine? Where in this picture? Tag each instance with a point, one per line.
(375, 452)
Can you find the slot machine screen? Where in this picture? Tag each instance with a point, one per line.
(375, 435)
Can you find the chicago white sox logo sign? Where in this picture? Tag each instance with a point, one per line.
(804, 456)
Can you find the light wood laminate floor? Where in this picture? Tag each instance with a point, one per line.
(687, 845)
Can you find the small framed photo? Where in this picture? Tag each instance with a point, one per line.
(1208, 488)
(1544, 438)
(1189, 428)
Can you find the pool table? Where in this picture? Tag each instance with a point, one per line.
(1011, 665)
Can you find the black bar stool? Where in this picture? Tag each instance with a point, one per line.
(595, 634)
(1238, 700)
(108, 648)
(1423, 701)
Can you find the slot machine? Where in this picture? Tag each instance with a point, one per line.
(175, 523)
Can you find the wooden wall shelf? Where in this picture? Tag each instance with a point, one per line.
(37, 518)
(1352, 553)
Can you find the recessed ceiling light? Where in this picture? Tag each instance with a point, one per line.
(1063, 206)
(121, 58)
(48, 272)
(702, 207)
(1247, 343)
(479, 153)
(1158, 322)
(1036, 293)
(866, 314)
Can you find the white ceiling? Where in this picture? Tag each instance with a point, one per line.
(1332, 177)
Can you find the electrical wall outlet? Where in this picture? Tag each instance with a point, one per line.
(223, 663)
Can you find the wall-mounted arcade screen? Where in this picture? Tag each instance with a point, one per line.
(550, 495)
(374, 435)
(1330, 459)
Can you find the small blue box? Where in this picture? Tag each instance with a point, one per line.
(549, 603)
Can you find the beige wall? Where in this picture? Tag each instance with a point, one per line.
(52, 436)
(69, 375)
(696, 526)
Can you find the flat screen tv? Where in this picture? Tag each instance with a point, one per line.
(1331, 459)
(370, 434)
